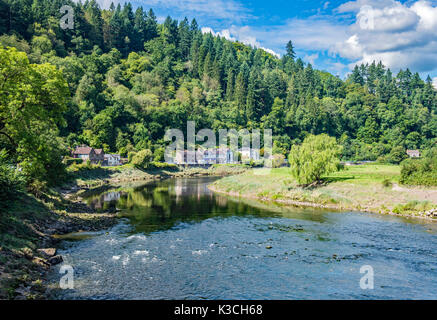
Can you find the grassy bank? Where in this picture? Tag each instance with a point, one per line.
(370, 188)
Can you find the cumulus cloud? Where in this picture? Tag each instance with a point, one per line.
(243, 34)
(311, 58)
(105, 4)
(219, 9)
(434, 82)
(401, 35)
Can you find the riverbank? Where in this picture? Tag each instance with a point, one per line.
(367, 188)
(29, 226)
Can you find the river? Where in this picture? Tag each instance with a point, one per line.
(178, 240)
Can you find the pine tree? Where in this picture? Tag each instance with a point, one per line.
(230, 86)
(140, 29)
(290, 51)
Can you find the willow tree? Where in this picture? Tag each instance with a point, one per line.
(317, 156)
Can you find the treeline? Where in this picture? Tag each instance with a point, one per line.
(131, 78)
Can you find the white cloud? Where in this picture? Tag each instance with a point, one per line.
(219, 9)
(104, 4)
(401, 35)
(434, 82)
(311, 58)
(242, 34)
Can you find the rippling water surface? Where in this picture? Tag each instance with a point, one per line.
(179, 241)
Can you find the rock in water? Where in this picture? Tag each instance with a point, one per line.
(55, 260)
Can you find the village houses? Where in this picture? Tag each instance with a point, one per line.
(96, 156)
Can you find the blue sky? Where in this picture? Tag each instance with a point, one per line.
(333, 35)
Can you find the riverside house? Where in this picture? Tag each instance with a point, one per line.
(249, 154)
(112, 160)
(205, 157)
(87, 153)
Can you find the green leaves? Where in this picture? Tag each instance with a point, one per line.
(32, 102)
(317, 156)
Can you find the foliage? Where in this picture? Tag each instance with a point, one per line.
(69, 161)
(11, 180)
(396, 155)
(131, 78)
(420, 171)
(317, 156)
(278, 160)
(142, 159)
(32, 102)
(83, 166)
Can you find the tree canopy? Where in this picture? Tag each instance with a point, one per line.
(131, 78)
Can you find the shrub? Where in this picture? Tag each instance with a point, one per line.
(387, 183)
(142, 159)
(83, 166)
(164, 165)
(419, 172)
(68, 161)
(278, 160)
(11, 180)
(396, 155)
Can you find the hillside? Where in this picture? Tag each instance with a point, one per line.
(122, 79)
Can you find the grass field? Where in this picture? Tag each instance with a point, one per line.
(372, 188)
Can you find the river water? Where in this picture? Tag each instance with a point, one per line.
(178, 240)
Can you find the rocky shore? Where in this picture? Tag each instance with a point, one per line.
(26, 261)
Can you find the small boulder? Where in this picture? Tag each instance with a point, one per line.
(55, 260)
(48, 252)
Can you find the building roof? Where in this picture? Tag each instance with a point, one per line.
(98, 151)
(112, 155)
(82, 150)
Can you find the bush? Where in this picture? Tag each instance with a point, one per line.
(83, 166)
(278, 160)
(396, 155)
(142, 159)
(387, 183)
(11, 180)
(164, 165)
(68, 161)
(419, 172)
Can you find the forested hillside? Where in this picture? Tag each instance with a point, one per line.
(130, 78)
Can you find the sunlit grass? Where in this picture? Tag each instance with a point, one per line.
(370, 187)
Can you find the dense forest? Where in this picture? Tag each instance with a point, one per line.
(119, 80)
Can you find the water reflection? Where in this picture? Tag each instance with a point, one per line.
(180, 241)
(161, 205)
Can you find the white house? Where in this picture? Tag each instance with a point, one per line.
(413, 153)
(205, 156)
(112, 160)
(249, 154)
(225, 155)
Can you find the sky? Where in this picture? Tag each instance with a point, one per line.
(331, 35)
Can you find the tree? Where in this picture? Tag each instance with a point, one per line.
(317, 156)
(397, 155)
(290, 50)
(32, 101)
(142, 159)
